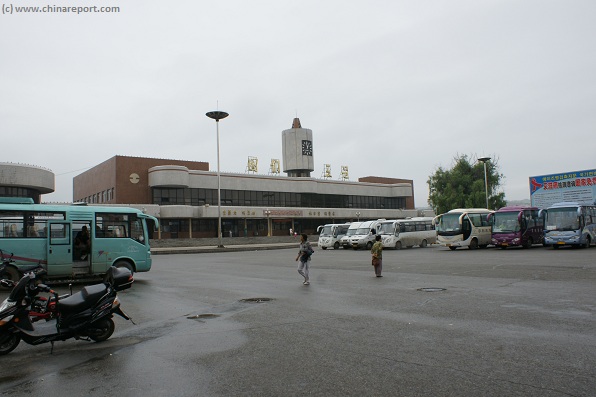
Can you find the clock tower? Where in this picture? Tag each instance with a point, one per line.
(298, 160)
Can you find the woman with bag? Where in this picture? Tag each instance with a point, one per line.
(304, 255)
(377, 256)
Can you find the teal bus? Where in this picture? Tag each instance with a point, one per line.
(48, 234)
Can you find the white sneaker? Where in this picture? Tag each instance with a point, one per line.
(306, 282)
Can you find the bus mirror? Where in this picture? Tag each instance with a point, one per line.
(489, 218)
(541, 213)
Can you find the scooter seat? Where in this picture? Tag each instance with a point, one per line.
(83, 299)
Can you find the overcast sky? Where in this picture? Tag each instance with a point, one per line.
(389, 88)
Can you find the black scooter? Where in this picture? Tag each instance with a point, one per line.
(86, 314)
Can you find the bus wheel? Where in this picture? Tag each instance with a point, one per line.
(12, 273)
(423, 244)
(473, 244)
(336, 245)
(587, 243)
(398, 245)
(528, 243)
(124, 264)
(369, 245)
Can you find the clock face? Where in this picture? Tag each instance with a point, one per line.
(306, 148)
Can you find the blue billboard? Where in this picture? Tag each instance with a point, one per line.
(576, 186)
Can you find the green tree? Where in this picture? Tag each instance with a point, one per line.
(463, 185)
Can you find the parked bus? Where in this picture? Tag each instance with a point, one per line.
(516, 226)
(331, 234)
(464, 227)
(50, 235)
(365, 235)
(569, 223)
(352, 229)
(408, 232)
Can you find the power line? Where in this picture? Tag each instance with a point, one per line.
(70, 172)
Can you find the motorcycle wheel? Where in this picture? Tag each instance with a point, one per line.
(8, 342)
(103, 330)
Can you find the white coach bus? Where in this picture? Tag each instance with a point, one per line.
(464, 227)
(408, 232)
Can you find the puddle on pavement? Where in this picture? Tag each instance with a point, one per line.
(205, 316)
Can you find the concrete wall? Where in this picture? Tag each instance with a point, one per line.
(165, 176)
(28, 176)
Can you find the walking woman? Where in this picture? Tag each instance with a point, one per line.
(377, 256)
(304, 255)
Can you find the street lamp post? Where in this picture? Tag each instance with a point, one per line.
(268, 213)
(218, 115)
(484, 160)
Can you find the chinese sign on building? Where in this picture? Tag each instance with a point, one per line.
(576, 186)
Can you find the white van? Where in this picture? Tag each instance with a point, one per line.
(365, 235)
(345, 240)
(331, 234)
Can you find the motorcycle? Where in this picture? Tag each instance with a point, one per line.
(42, 307)
(85, 315)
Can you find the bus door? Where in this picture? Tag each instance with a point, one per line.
(59, 255)
(466, 226)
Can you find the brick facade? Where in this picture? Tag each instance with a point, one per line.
(127, 176)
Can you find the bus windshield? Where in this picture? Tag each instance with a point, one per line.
(505, 222)
(351, 232)
(363, 231)
(326, 231)
(386, 228)
(562, 219)
(449, 223)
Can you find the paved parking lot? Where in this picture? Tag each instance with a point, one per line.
(448, 323)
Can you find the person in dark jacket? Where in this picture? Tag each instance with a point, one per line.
(304, 255)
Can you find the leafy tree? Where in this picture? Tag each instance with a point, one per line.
(463, 185)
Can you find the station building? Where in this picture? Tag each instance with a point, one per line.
(22, 180)
(183, 195)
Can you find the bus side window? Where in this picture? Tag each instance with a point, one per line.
(119, 231)
(32, 231)
(14, 231)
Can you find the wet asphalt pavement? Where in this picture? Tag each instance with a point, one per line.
(463, 323)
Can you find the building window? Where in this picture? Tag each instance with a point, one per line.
(240, 198)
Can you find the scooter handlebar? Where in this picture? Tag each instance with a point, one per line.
(45, 288)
